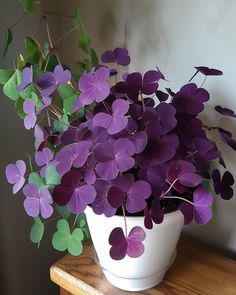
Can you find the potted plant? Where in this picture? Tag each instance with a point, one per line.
(136, 158)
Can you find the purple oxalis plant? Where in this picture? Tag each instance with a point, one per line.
(121, 146)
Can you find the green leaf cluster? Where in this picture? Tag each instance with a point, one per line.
(63, 239)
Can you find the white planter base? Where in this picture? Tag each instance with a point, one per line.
(138, 284)
(146, 271)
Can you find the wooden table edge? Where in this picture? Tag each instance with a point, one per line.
(76, 287)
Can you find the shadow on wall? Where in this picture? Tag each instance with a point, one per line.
(119, 23)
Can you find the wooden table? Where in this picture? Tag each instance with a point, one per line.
(195, 271)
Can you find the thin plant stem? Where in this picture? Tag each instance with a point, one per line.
(179, 198)
(49, 123)
(18, 20)
(143, 104)
(172, 184)
(74, 223)
(36, 27)
(191, 154)
(123, 210)
(65, 35)
(47, 61)
(203, 82)
(30, 163)
(59, 14)
(50, 41)
(193, 76)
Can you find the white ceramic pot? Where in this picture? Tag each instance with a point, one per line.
(146, 271)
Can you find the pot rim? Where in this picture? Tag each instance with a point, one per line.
(169, 214)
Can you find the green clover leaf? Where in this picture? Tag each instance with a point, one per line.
(37, 231)
(63, 238)
(83, 225)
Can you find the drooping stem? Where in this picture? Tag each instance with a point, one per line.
(48, 33)
(49, 123)
(191, 154)
(75, 220)
(203, 82)
(193, 76)
(143, 104)
(65, 35)
(50, 40)
(59, 14)
(123, 210)
(18, 20)
(172, 184)
(179, 198)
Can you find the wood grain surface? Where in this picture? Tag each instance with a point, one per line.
(195, 271)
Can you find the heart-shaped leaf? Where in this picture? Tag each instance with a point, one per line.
(5, 75)
(33, 50)
(84, 42)
(36, 179)
(52, 178)
(37, 231)
(63, 238)
(10, 88)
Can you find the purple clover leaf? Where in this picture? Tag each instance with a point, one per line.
(30, 118)
(63, 192)
(156, 176)
(27, 74)
(185, 172)
(131, 245)
(75, 155)
(136, 192)
(81, 197)
(190, 99)
(135, 84)
(114, 157)
(44, 158)
(222, 186)
(115, 122)
(162, 96)
(118, 55)
(208, 72)
(154, 214)
(159, 149)
(225, 111)
(74, 192)
(206, 149)
(101, 204)
(49, 81)
(226, 137)
(15, 175)
(37, 201)
(164, 113)
(40, 137)
(93, 87)
(200, 210)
